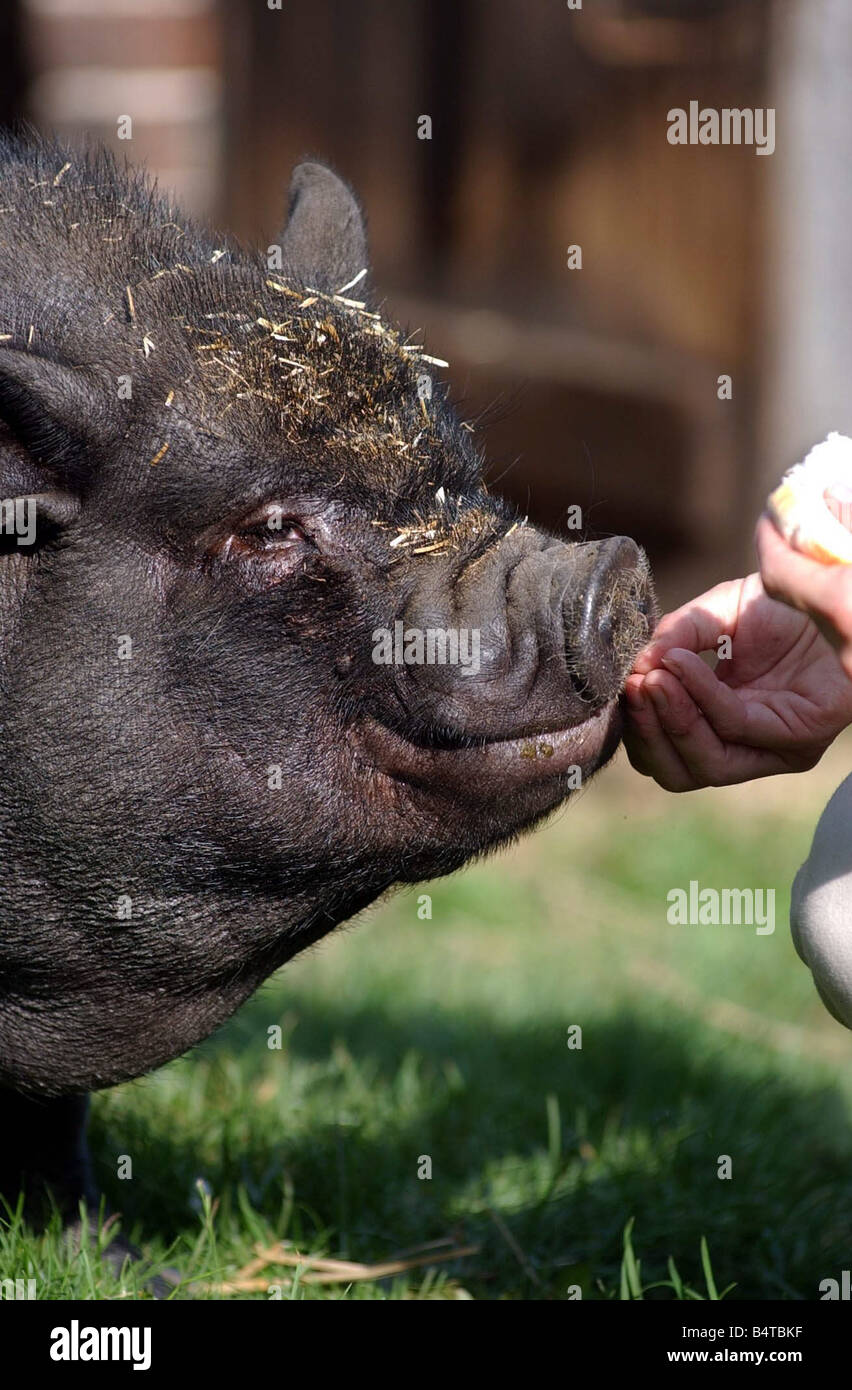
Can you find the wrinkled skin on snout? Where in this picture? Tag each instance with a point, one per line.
(206, 767)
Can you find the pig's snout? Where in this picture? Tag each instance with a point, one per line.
(558, 626)
(604, 620)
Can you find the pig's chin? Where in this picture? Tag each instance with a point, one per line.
(547, 766)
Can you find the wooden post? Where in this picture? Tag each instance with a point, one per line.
(807, 378)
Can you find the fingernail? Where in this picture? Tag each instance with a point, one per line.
(659, 696)
(672, 665)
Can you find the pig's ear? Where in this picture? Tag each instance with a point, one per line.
(324, 242)
(48, 414)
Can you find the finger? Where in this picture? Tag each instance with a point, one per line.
(733, 719)
(824, 591)
(708, 759)
(649, 749)
(696, 626)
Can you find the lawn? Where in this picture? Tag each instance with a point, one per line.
(410, 1044)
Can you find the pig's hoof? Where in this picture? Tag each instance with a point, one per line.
(118, 1253)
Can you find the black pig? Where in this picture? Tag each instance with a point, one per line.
(241, 476)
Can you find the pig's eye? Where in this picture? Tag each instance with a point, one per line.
(269, 532)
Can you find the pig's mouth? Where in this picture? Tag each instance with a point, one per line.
(556, 762)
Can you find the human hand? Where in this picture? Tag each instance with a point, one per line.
(822, 591)
(774, 706)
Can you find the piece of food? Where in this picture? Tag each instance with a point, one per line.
(812, 505)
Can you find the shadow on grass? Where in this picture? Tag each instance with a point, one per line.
(639, 1122)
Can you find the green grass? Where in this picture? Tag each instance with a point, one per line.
(593, 1167)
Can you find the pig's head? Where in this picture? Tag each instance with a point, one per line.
(274, 647)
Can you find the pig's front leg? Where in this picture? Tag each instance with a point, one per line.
(44, 1154)
(43, 1151)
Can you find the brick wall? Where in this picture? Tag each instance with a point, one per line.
(92, 62)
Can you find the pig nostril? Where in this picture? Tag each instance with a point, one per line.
(616, 613)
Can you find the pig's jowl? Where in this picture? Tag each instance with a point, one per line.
(240, 473)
